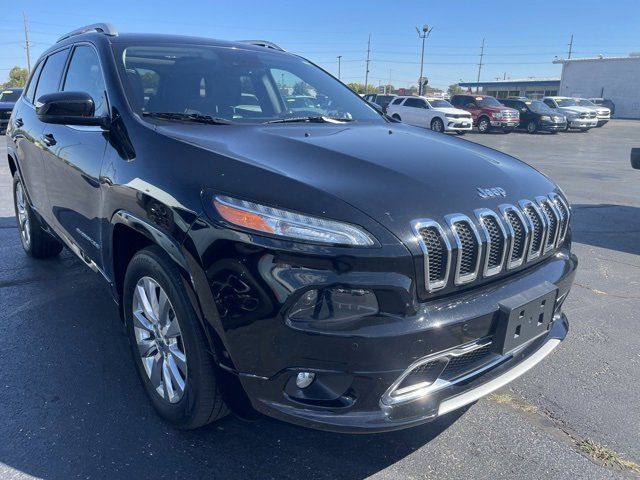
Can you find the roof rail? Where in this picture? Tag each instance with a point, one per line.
(105, 28)
(263, 43)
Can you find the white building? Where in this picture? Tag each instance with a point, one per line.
(615, 78)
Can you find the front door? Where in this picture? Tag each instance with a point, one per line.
(73, 160)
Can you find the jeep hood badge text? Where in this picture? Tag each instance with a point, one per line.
(491, 192)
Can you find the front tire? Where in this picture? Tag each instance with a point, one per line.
(437, 125)
(395, 116)
(484, 125)
(532, 127)
(36, 242)
(460, 132)
(167, 343)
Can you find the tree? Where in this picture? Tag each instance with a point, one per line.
(300, 88)
(17, 77)
(454, 89)
(359, 88)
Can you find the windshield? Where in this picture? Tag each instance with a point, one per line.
(242, 86)
(10, 95)
(538, 107)
(566, 102)
(586, 103)
(440, 104)
(488, 102)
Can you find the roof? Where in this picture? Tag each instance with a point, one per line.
(515, 82)
(597, 59)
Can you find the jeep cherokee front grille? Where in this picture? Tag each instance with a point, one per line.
(491, 243)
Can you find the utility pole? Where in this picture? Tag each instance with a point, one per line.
(388, 85)
(570, 45)
(27, 44)
(366, 75)
(480, 64)
(424, 35)
(339, 61)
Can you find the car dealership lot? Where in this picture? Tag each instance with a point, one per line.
(71, 406)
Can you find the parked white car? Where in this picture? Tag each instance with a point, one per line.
(434, 113)
(603, 113)
(578, 117)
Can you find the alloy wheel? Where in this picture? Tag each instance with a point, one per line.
(24, 224)
(483, 126)
(532, 127)
(159, 340)
(437, 125)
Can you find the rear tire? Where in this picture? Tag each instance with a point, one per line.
(36, 242)
(484, 125)
(167, 343)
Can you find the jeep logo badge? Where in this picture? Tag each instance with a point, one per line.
(491, 192)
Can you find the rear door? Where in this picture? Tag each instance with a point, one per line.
(28, 132)
(411, 111)
(73, 159)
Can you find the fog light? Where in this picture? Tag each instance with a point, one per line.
(304, 379)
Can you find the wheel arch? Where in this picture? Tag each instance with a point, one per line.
(13, 165)
(129, 235)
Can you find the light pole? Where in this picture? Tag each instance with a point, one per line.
(423, 35)
(339, 59)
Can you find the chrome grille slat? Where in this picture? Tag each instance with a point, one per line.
(508, 239)
(468, 245)
(496, 239)
(435, 279)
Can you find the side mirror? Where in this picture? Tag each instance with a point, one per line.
(635, 158)
(69, 108)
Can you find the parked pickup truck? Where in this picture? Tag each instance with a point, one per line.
(578, 117)
(434, 113)
(487, 112)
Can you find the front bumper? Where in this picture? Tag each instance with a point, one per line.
(458, 124)
(356, 363)
(505, 125)
(552, 126)
(583, 123)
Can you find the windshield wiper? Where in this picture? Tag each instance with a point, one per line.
(318, 119)
(188, 117)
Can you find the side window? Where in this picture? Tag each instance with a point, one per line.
(549, 103)
(423, 104)
(412, 102)
(85, 75)
(51, 73)
(33, 82)
(397, 101)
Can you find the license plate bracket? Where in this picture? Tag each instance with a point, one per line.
(524, 317)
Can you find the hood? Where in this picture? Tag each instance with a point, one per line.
(394, 173)
(576, 109)
(452, 111)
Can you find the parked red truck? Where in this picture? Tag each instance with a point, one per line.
(487, 112)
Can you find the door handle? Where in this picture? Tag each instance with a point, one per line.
(49, 140)
(19, 123)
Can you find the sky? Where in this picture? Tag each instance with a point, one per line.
(521, 37)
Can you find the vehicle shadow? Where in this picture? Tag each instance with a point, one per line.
(614, 227)
(72, 406)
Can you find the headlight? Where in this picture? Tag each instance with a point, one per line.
(288, 224)
(496, 114)
(545, 118)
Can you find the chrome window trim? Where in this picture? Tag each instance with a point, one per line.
(480, 214)
(549, 245)
(555, 199)
(416, 226)
(523, 204)
(507, 207)
(470, 277)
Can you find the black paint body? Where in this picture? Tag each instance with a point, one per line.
(98, 188)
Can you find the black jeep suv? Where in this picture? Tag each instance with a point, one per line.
(330, 268)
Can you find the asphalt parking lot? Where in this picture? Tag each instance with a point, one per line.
(72, 407)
